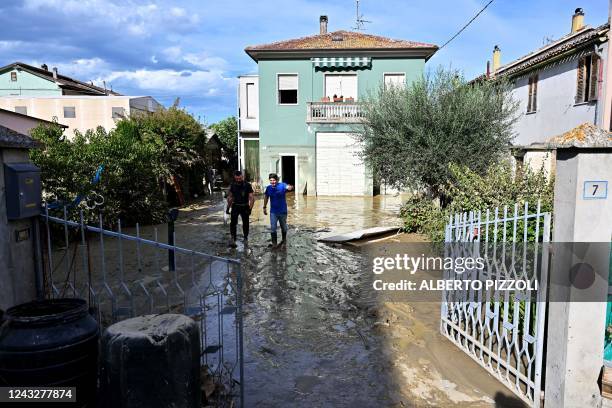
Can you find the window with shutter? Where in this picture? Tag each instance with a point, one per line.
(580, 80)
(341, 85)
(532, 96)
(594, 78)
(251, 100)
(530, 89)
(288, 89)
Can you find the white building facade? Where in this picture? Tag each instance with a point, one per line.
(558, 87)
(80, 112)
(248, 126)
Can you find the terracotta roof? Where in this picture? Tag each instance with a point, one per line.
(342, 40)
(62, 80)
(349, 40)
(586, 135)
(11, 139)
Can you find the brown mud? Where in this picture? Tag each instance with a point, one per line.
(314, 339)
(312, 336)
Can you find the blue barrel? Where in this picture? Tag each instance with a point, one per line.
(51, 343)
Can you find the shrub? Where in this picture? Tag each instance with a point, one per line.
(129, 182)
(469, 191)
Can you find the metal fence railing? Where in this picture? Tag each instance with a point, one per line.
(127, 272)
(501, 330)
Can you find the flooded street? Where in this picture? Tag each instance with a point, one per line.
(312, 338)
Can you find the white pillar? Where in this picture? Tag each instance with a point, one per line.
(575, 337)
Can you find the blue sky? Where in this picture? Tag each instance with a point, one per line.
(194, 49)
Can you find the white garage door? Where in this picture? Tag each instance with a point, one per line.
(340, 171)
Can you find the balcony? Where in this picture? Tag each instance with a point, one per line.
(334, 112)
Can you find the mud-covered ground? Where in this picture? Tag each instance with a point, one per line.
(314, 337)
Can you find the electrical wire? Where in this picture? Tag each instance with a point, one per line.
(467, 24)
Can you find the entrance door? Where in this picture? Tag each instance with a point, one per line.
(251, 159)
(288, 169)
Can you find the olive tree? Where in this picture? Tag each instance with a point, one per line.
(412, 134)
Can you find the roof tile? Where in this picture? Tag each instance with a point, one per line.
(350, 40)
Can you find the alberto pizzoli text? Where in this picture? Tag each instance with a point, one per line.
(456, 284)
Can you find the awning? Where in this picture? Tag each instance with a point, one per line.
(342, 62)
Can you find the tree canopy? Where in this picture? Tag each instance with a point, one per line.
(141, 156)
(227, 132)
(413, 134)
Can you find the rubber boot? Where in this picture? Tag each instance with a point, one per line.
(232, 242)
(283, 243)
(274, 240)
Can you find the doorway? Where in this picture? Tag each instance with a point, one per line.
(288, 169)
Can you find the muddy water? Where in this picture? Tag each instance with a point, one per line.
(314, 338)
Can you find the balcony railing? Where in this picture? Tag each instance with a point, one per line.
(334, 112)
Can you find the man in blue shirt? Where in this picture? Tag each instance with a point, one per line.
(275, 192)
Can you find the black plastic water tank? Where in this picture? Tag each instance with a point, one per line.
(51, 343)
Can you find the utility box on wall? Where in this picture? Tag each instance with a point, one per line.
(22, 189)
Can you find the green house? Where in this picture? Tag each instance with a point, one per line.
(309, 92)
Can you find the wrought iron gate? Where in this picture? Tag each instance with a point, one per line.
(125, 275)
(502, 331)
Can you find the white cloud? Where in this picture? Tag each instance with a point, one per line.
(201, 60)
(171, 81)
(172, 53)
(139, 21)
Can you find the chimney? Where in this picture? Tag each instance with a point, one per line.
(577, 20)
(45, 67)
(488, 69)
(496, 59)
(323, 25)
(54, 72)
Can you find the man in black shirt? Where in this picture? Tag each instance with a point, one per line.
(240, 201)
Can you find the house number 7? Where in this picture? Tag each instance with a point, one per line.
(595, 190)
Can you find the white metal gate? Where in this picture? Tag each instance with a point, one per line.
(502, 331)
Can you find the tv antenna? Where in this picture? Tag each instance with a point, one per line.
(359, 21)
